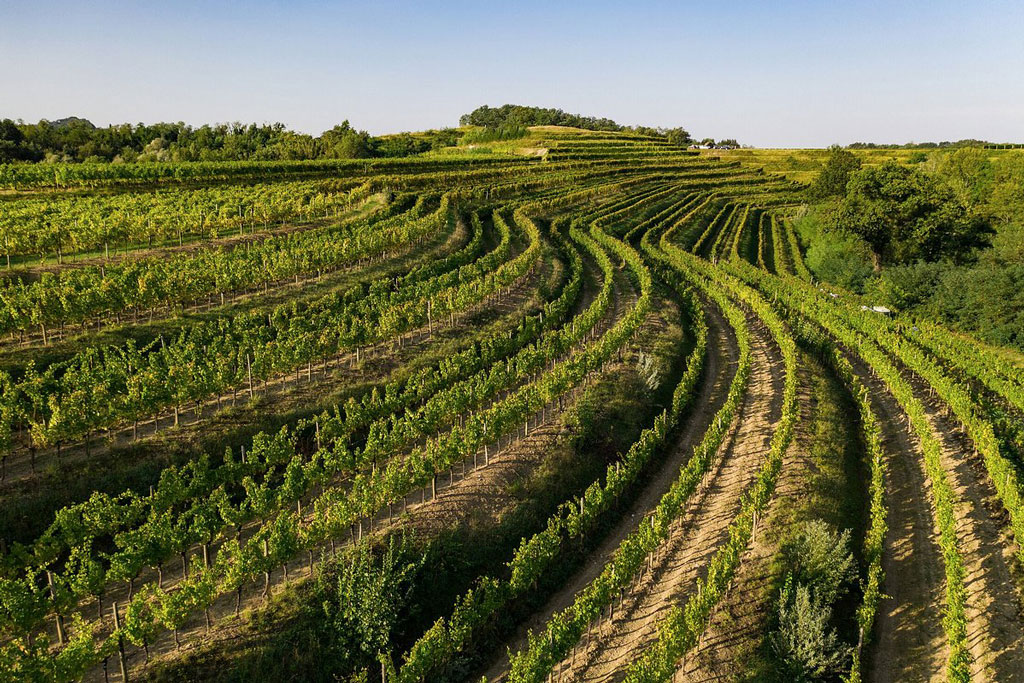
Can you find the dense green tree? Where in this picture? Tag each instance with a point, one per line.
(9, 132)
(74, 139)
(1005, 201)
(13, 146)
(401, 145)
(908, 286)
(904, 215)
(289, 146)
(968, 172)
(832, 180)
(986, 298)
(946, 144)
(519, 115)
(345, 142)
(678, 136)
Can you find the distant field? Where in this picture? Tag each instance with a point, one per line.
(802, 165)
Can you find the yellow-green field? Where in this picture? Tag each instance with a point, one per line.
(802, 165)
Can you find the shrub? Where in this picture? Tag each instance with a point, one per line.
(819, 569)
(843, 261)
(819, 557)
(805, 643)
(905, 287)
(363, 596)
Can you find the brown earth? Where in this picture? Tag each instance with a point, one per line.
(995, 624)
(737, 626)
(697, 535)
(909, 643)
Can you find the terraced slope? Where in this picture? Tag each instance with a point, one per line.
(590, 398)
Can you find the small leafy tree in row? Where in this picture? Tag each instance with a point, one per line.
(819, 571)
(367, 595)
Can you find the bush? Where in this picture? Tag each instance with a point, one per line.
(986, 299)
(401, 145)
(362, 597)
(843, 261)
(905, 287)
(819, 569)
(806, 645)
(819, 557)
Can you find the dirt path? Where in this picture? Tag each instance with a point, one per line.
(995, 628)
(736, 628)
(717, 375)
(909, 643)
(489, 492)
(694, 538)
(697, 535)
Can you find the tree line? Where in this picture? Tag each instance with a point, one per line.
(78, 140)
(75, 139)
(512, 115)
(945, 144)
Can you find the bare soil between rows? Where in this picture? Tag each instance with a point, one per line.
(716, 376)
(699, 532)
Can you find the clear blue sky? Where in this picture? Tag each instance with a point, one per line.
(768, 73)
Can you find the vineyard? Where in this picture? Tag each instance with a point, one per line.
(576, 415)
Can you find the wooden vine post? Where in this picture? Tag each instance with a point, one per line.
(121, 659)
